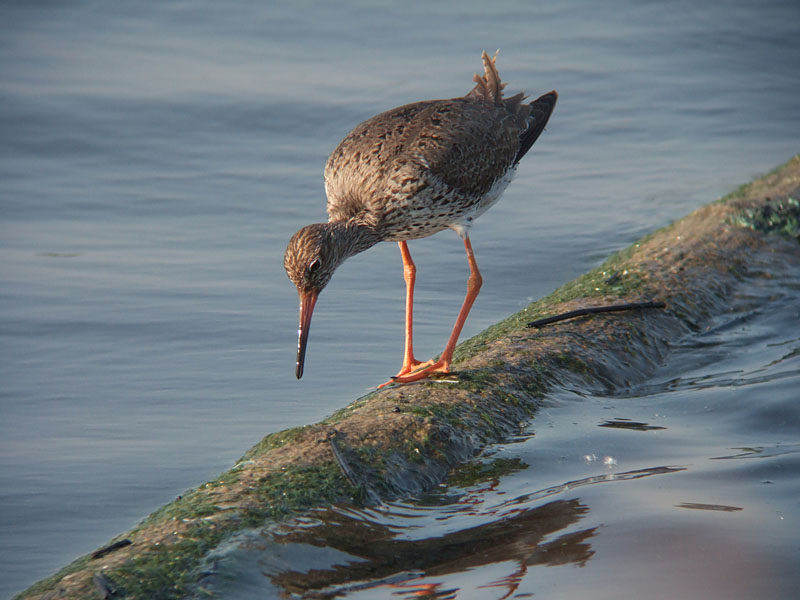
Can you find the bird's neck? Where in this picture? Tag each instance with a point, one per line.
(351, 237)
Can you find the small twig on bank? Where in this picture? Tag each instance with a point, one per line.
(337, 454)
(348, 472)
(111, 548)
(595, 309)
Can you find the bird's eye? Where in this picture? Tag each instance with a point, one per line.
(314, 265)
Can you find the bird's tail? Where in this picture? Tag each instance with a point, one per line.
(538, 113)
(531, 117)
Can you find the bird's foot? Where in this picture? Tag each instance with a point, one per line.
(439, 366)
(410, 367)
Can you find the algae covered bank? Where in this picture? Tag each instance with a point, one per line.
(404, 440)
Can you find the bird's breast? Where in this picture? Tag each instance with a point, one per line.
(437, 207)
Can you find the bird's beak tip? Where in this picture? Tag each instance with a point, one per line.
(307, 302)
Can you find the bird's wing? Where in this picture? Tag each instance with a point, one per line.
(461, 143)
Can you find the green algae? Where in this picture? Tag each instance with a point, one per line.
(343, 413)
(612, 279)
(194, 504)
(275, 440)
(473, 473)
(242, 497)
(164, 572)
(45, 585)
(746, 190)
(292, 490)
(780, 216)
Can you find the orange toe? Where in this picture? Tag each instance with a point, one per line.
(437, 367)
(411, 367)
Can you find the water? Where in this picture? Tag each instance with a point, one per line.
(682, 486)
(155, 159)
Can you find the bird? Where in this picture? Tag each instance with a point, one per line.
(409, 173)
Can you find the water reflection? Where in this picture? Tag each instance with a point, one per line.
(620, 423)
(717, 507)
(606, 477)
(387, 548)
(761, 452)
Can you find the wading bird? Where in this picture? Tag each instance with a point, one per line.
(406, 174)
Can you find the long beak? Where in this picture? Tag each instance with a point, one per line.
(307, 302)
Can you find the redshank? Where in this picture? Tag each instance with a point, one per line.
(406, 174)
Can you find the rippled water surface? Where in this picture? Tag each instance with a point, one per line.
(684, 486)
(156, 157)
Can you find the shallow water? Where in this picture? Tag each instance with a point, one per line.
(155, 159)
(682, 486)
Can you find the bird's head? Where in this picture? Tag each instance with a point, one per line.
(310, 261)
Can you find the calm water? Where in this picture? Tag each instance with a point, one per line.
(155, 159)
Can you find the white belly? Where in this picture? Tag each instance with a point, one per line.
(461, 227)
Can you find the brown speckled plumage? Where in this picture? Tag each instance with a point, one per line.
(412, 171)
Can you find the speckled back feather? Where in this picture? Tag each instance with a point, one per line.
(417, 169)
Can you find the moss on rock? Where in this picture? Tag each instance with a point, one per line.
(406, 439)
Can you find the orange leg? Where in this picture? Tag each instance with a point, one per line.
(473, 287)
(410, 275)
